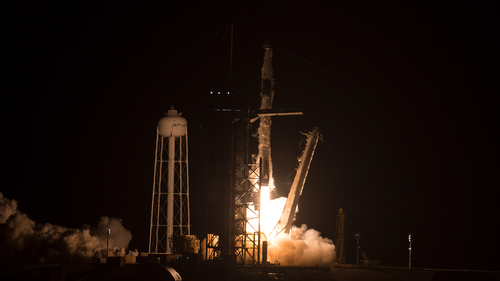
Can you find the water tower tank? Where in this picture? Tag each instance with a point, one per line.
(172, 125)
(170, 202)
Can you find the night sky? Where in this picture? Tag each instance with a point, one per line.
(403, 94)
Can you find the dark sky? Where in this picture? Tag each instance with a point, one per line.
(403, 94)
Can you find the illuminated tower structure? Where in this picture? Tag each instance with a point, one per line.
(358, 237)
(409, 252)
(170, 201)
(217, 139)
(247, 177)
(339, 237)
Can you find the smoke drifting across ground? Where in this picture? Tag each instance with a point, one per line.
(302, 247)
(24, 241)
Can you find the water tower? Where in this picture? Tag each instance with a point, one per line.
(170, 201)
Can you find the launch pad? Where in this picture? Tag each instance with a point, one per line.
(148, 271)
(241, 229)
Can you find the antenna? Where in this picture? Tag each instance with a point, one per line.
(231, 59)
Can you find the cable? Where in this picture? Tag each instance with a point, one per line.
(342, 89)
(174, 57)
(211, 56)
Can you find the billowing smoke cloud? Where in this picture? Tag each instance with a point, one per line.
(24, 241)
(302, 247)
(7, 208)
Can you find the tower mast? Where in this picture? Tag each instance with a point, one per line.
(339, 237)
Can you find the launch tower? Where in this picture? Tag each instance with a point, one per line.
(170, 200)
(339, 237)
(241, 237)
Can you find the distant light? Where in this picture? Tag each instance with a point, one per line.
(409, 237)
(219, 93)
(409, 248)
(228, 93)
(211, 92)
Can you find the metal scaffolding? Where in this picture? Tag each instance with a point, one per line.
(245, 192)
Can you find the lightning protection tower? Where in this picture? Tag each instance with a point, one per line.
(170, 202)
(339, 237)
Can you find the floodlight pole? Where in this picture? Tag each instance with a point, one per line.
(409, 252)
(107, 244)
(358, 237)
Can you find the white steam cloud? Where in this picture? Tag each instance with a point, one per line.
(24, 241)
(302, 247)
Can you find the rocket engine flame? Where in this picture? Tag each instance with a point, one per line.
(301, 247)
(24, 241)
(270, 210)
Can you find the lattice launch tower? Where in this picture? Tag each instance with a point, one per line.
(339, 237)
